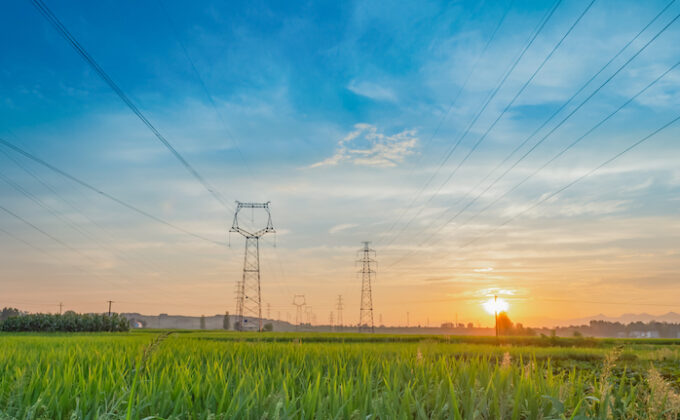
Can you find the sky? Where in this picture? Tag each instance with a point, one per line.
(442, 132)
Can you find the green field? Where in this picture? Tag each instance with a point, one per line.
(213, 375)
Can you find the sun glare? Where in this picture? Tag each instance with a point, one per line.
(493, 306)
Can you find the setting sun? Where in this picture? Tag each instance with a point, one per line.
(495, 305)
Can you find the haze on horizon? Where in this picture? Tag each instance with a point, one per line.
(341, 115)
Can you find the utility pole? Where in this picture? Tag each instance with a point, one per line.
(269, 311)
(61, 305)
(367, 273)
(339, 307)
(495, 313)
(110, 302)
(299, 302)
(248, 297)
(407, 319)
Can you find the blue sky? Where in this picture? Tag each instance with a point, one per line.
(340, 113)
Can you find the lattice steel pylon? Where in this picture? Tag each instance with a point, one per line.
(248, 296)
(299, 302)
(339, 307)
(367, 275)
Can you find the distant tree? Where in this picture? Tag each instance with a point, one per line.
(268, 327)
(504, 324)
(578, 334)
(470, 325)
(202, 322)
(225, 321)
(69, 322)
(8, 313)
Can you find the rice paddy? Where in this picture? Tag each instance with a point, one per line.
(225, 375)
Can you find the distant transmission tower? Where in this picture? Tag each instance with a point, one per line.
(339, 308)
(248, 298)
(367, 274)
(299, 302)
(310, 315)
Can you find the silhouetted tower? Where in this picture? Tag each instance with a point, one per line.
(367, 275)
(330, 321)
(339, 308)
(248, 297)
(299, 302)
(310, 315)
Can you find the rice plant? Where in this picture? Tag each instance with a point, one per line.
(228, 375)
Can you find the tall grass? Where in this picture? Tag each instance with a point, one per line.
(189, 376)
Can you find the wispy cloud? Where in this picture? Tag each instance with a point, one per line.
(366, 146)
(372, 91)
(339, 228)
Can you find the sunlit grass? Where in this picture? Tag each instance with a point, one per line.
(228, 375)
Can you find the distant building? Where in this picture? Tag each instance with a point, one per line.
(644, 334)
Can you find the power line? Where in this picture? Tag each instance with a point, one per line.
(492, 95)
(109, 243)
(90, 187)
(45, 233)
(450, 220)
(28, 244)
(203, 84)
(63, 31)
(453, 102)
(582, 177)
(555, 157)
(63, 218)
(562, 107)
(498, 118)
(575, 142)
(57, 215)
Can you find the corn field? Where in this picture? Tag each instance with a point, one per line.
(210, 375)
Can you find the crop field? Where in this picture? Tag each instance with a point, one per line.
(215, 375)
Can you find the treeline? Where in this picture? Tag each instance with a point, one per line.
(652, 329)
(68, 322)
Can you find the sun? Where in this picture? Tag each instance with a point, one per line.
(495, 305)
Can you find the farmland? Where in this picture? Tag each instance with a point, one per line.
(206, 375)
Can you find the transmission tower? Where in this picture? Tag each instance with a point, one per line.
(330, 321)
(339, 308)
(367, 274)
(248, 298)
(299, 302)
(310, 315)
